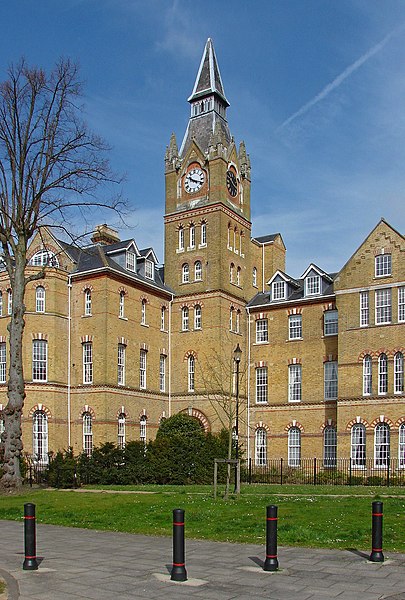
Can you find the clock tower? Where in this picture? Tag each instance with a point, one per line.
(207, 244)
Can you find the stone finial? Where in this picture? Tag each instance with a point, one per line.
(172, 154)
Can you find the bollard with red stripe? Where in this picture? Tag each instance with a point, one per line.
(179, 572)
(30, 562)
(271, 562)
(377, 532)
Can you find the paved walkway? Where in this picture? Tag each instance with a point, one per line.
(79, 563)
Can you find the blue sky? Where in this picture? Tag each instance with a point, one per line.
(316, 88)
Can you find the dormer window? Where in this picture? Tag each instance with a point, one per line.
(278, 290)
(44, 258)
(312, 285)
(130, 261)
(149, 269)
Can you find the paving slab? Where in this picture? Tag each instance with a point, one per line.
(77, 564)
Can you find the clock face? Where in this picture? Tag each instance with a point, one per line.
(194, 180)
(231, 183)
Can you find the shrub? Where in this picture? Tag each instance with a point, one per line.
(62, 470)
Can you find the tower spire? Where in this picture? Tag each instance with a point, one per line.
(208, 103)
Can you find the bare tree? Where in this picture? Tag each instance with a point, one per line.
(219, 379)
(50, 166)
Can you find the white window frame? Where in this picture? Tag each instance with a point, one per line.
(143, 428)
(197, 317)
(130, 261)
(149, 269)
(121, 310)
(163, 318)
(401, 304)
(185, 314)
(143, 311)
(39, 360)
(44, 258)
(294, 447)
(192, 236)
(3, 362)
(237, 324)
(398, 373)
(87, 434)
(40, 436)
(382, 374)
(231, 273)
(358, 446)
(231, 313)
(162, 373)
(383, 265)
(254, 277)
(381, 445)
(181, 238)
(329, 447)
(203, 234)
(185, 273)
(294, 383)
(331, 380)
(238, 273)
(142, 369)
(262, 331)
(1, 304)
(121, 431)
(383, 306)
(278, 290)
(40, 299)
(191, 373)
(198, 271)
(312, 285)
(87, 362)
(295, 327)
(330, 322)
(260, 447)
(261, 385)
(401, 446)
(364, 309)
(121, 364)
(367, 375)
(9, 301)
(87, 302)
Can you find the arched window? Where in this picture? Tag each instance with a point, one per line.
(203, 233)
(39, 360)
(192, 236)
(121, 431)
(121, 312)
(40, 436)
(229, 237)
(240, 243)
(254, 277)
(329, 447)
(143, 312)
(294, 447)
(1, 304)
(237, 325)
(238, 273)
(235, 231)
(198, 271)
(185, 273)
(40, 299)
(261, 447)
(191, 372)
(197, 317)
(142, 428)
(162, 318)
(367, 375)
(381, 445)
(358, 445)
(87, 434)
(181, 238)
(398, 373)
(87, 302)
(401, 446)
(231, 272)
(231, 313)
(121, 364)
(44, 258)
(87, 362)
(382, 374)
(184, 318)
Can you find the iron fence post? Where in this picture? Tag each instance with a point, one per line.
(281, 471)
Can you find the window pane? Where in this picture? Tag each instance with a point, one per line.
(261, 385)
(364, 309)
(383, 306)
(295, 327)
(330, 320)
(381, 445)
(330, 447)
(331, 380)
(260, 447)
(382, 265)
(358, 445)
(294, 447)
(39, 360)
(262, 334)
(294, 383)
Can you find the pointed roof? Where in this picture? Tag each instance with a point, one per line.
(208, 80)
(208, 106)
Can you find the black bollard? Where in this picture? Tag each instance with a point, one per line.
(30, 562)
(271, 562)
(179, 572)
(377, 532)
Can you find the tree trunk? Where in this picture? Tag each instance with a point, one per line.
(12, 441)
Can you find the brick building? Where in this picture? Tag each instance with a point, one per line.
(113, 342)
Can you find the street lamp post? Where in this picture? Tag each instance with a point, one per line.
(237, 354)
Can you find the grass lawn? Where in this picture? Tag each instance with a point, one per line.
(321, 517)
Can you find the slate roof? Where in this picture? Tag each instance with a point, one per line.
(263, 298)
(264, 239)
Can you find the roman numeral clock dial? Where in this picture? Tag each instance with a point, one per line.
(231, 183)
(194, 180)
